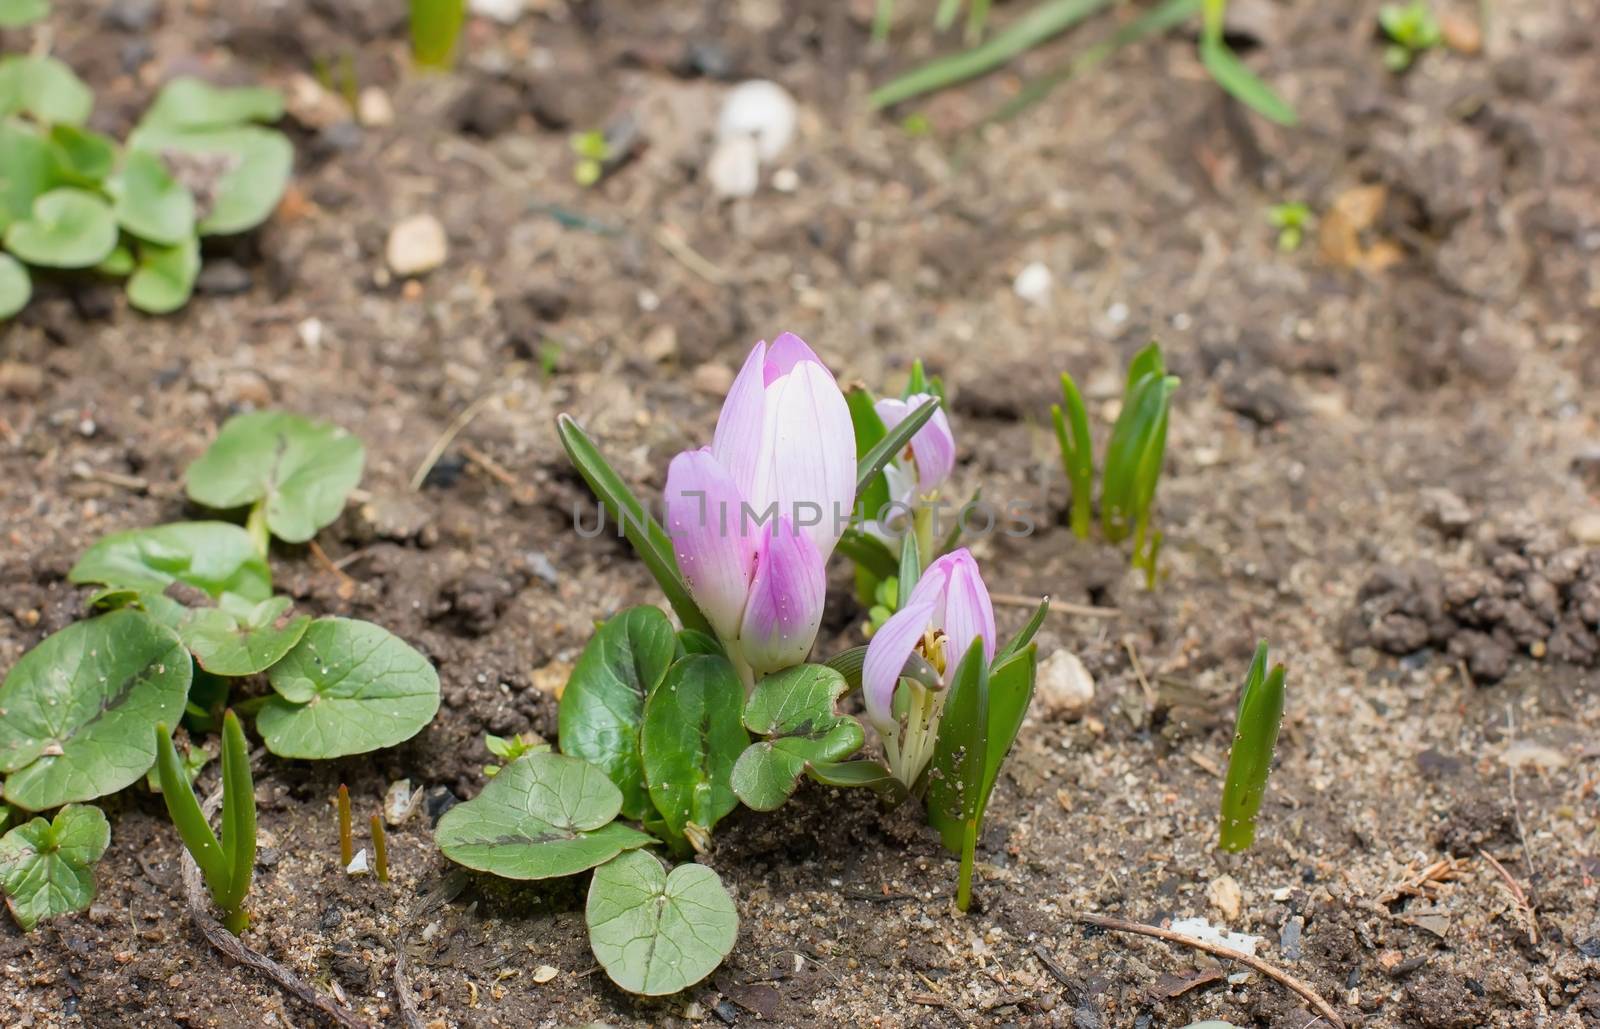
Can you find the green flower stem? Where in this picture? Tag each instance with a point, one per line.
(922, 526)
(969, 850)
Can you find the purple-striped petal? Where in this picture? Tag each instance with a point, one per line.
(809, 454)
(968, 612)
(886, 656)
(787, 351)
(715, 548)
(933, 447)
(737, 441)
(786, 597)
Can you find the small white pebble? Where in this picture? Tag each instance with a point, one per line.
(1034, 283)
(359, 865)
(762, 110)
(786, 180)
(1117, 313)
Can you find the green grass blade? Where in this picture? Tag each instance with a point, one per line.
(977, 18)
(1024, 635)
(892, 443)
(1077, 451)
(435, 30)
(946, 14)
(882, 19)
(1048, 19)
(648, 538)
(186, 815)
(1255, 739)
(238, 812)
(1243, 84)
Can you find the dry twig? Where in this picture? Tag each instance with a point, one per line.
(1057, 607)
(1519, 899)
(442, 444)
(1310, 996)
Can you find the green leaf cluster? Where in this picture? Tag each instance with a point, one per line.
(1131, 468)
(47, 865)
(1412, 28)
(71, 198)
(1255, 739)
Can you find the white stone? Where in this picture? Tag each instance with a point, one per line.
(761, 110)
(1225, 895)
(786, 180)
(735, 167)
(373, 108)
(1034, 284)
(1200, 929)
(1065, 687)
(417, 245)
(359, 865)
(506, 12)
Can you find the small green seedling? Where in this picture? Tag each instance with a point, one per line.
(1291, 220)
(592, 152)
(47, 865)
(1077, 454)
(347, 843)
(436, 31)
(1255, 738)
(507, 749)
(1411, 28)
(227, 866)
(380, 849)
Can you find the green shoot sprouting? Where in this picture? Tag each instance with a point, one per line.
(592, 150)
(435, 30)
(226, 866)
(1291, 220)
(380, 849)
(1412, 29)
(1072, 432)
(1133, 457)
(347, 845)
(1255, 737)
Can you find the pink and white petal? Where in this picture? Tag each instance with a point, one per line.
(968, 612)
(787, 351)
(886, 656)
(784, 611)
(891, 411)
(809, 454)
(715, 549)
(932, 588)
(737, 440)
(934, 447)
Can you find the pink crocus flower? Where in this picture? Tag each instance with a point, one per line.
(946, 611)
(754, 516)
(916, 474)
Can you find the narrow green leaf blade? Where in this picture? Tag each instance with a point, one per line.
(190, 821)
(894, 441)
(1243, 84)
(238, 812)
(1024, 635)
(1250, 761)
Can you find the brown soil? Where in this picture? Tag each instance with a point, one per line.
(1443, 340)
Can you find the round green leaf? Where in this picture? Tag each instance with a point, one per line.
(15, 286)
(47, 867)
(119, 262)
(252, 166)
(243, 642)
(543, 815)
(656, 933)
(796, 708)
(348, 687)
(189, 103)
(28, 168)
(68, 228)
(165, 276)
(16, 13)
(78, 712)
(150, 203)
(83, 157)
(303, 468)
(602, 707)
(215, 557)
(43, 88)
(691, 738)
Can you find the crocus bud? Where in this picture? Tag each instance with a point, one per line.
(933, 448)
(754, 516)
(947, 610)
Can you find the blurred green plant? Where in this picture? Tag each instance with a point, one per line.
(1255, 738)
(197, 164)
(592, 151)
(436, 31)
(226, 866)
(1291, 220)
(1411, 28)
(1131, 469)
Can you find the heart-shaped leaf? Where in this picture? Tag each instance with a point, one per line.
(28, 169)
(656, 933)
(15, 286)
(692, 737)
(795, 710)
(164, 277)
(43, 88)
(302, 468)
(253, 165)
(68, 228)
(348, 687)
(544, 815)
(16, 13)
(236, 640)
(150, 203)
(47, 867)
(78, 712)
(188, 103)
(83, 157)
(602, 708)
(214, 557)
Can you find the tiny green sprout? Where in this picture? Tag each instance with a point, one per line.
(550, 353)
(592, 152)
(435, 31)
(1255, 737)
(1072, 433)
(1412, 28)
(916, 125)
(508, 749)
(380, 849)
(226, 866)
(1291, 220)
(1134, 455)
(347, 844)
